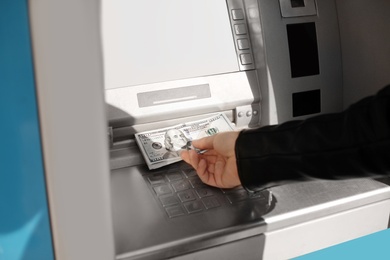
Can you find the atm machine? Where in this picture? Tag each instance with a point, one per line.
(116, 68)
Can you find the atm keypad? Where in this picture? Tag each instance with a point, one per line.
(180, 192)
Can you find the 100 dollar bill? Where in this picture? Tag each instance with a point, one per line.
(161, 147)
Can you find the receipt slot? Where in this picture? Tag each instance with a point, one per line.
(294, 8)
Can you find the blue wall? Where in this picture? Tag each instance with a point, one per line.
(24, 218)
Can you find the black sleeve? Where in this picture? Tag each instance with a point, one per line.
(350, 144)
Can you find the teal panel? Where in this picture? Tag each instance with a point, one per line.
(375, 246)
(24, 218)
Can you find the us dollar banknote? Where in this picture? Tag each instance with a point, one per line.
(162, 147)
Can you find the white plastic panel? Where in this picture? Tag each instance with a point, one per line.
(152, 41)
(68, 72)
(324, 232)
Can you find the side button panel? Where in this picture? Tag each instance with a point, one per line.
(240, 32)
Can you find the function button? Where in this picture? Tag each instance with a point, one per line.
(193, 206)
(243, 44)
(240, 29)
(181, 185)
(156, 179)
(204, 192)
(175, 211)
(237, 14)
(169, 201)
(174, 176)
(163, 189)
(186, 196)
(246, 59)
(211, 202)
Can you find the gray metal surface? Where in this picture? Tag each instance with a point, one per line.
(144, 231)
(277, 93)
(304, 201)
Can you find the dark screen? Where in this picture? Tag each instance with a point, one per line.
(302, 42)
(306, 103)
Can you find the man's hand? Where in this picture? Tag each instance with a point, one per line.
(216, 167)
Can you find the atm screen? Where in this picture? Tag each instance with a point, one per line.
(152, 41)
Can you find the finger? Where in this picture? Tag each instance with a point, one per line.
(218, 171)
(204, 143)
(185, 156)
(210, 158)
(211, 168)
(193, 159)
(202, 172)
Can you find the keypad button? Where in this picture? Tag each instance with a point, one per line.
(181, 185)
(175, 211)
(211, 202)
(193, 206)
(163, 189)
(235, 189)
(197, 183)
(204, 192)
(237, 196)
(169, 201)
(156, 179)
(186, 196)
(174, 176)
(190, 172)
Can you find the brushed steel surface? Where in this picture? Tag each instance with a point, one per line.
(144, 231)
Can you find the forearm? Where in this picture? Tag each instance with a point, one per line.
(353, 143)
